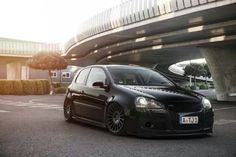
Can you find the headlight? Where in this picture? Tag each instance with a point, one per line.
(142, 102)
(206, 103)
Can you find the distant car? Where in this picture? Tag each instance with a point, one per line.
(136, 100)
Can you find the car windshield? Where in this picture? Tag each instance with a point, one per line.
(139, 77)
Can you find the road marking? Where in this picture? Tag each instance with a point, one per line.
(31, 105)
(224, 121)
(23, 104)
(3, 111)
(224, 108)
(52, 107)
(45, 105)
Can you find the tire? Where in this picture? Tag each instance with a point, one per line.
(115, 119)
(67, 107)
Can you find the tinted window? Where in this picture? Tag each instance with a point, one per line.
(96, 75)
(82, 76)
(144, 77)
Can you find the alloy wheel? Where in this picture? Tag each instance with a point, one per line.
(68, 110)
(115, 119)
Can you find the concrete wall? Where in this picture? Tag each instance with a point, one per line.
(40, 74)
(14, 70)
(222, 64)
(3, 71)
(37, 74)
(18, 70)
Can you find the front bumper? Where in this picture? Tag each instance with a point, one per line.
(160, 122)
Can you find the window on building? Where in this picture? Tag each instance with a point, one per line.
(65, 74)
(54, 74)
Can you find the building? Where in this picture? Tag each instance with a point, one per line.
(14, 54)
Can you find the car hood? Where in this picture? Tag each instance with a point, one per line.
(166, 94)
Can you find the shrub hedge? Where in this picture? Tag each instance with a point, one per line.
(61, 90)
(24, 87)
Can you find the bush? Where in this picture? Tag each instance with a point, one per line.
(187, 87)
(60, 90)
(29, 87)
(56, 85)
(203, 86)
(17, 88)
(39, 87)
(46, 86)
(6, 87)
(24, 87)
(193, 87)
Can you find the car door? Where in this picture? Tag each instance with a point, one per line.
(78, 93)
(96, 97)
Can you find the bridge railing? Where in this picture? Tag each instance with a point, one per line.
(129, 12)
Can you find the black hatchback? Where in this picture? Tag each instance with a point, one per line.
(136, 100)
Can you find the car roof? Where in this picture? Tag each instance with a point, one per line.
(117, 66)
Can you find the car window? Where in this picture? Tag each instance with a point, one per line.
(82, 76)
(144, 77)
(96, 75)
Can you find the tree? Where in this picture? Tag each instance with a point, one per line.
(193, 69)
(47, 61)
(206, 72)
(206, 68)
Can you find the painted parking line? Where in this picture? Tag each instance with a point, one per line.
(21, 104)
(45, 105)
(31, 105)
(3, 111)
(52, 107)
(224, 121)
(224, 108)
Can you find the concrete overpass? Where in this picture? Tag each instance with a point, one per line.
(147, 33)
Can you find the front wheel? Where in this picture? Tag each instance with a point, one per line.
(68, 110)
(115, 119)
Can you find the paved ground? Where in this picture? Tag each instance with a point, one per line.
(33, 126)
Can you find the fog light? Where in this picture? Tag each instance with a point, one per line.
(149, 125)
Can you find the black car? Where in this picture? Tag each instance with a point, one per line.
(136, 100)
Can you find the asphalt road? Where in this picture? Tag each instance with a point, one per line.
(33, 126)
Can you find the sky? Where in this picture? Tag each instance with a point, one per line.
(53, 21)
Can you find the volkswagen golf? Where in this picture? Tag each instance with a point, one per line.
(136, 100)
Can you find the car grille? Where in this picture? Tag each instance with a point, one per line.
(184, 106)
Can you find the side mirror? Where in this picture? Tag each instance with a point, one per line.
(99, 85)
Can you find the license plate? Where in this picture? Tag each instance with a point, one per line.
(189, 120)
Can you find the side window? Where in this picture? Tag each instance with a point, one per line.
(96, 75)
(82, 76)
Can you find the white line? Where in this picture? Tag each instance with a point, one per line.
(224, 108)
(21, 104)
(224, 121)
(3, 111)
(44, 106)
(52, 108)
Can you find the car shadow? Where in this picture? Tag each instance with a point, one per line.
(105, 131)
(187, 137)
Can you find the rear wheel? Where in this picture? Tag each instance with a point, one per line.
(115, 119)
(68, 110)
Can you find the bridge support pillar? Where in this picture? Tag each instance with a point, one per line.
(222, 65)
